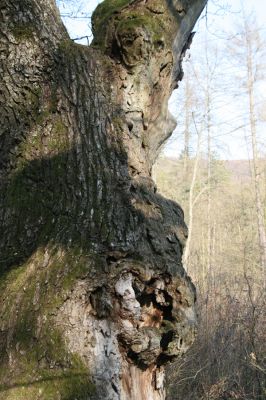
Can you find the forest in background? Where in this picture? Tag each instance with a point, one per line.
(224, 202)
(227, 361)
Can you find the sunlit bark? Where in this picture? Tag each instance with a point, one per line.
(94, 300)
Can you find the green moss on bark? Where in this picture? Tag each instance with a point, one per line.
(149, 22)
(125, 21)
(71, 50)
(23, 31)
(100, 18)
(49, 385)
(42, 367)
(104, 11)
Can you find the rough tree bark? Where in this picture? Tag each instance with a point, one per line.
(94, 300)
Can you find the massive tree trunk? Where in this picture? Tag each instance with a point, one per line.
(94, 300)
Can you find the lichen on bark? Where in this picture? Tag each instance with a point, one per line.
(94, 298)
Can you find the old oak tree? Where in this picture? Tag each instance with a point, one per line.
(94, 300)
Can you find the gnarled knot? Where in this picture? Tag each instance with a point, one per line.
(134, 42)
(156, 318)
(180, 6)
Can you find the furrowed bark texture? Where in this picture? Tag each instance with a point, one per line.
(94, 300)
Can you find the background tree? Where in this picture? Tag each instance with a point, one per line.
(248, 50)
(228, 358)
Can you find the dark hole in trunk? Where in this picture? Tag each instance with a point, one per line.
(166, 339)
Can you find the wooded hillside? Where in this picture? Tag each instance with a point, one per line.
(228, 359)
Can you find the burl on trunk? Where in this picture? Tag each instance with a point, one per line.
(94, 300)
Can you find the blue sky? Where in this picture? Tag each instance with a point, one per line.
(228, 142)
(220, 23)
